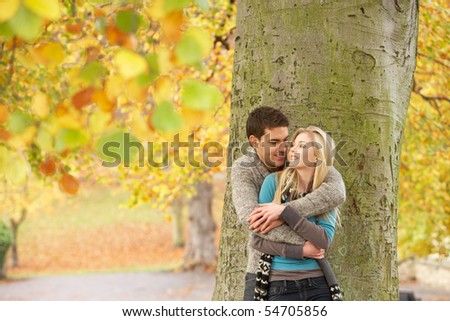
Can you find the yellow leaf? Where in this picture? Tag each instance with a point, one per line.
(130, 64)
(48, 9)
(136, 92)
(5, 157)
(99, 121)
(164, 61)
(17, 170)
(155, 9)
(49, 54)
(114, 87)
(102, 100)
(164, 89)
(4, 113)
(139, 126)
(23, 139)
(193, 118)
(8, 8)
(39, 105)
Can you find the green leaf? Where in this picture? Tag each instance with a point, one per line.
(6, 31)
(17, 170)
(5, 158)
(69, 139)
(198, 95)
(166, 118)
(153, 73)
(193, 46)
(203, 4)
(118, 147)
(44, 140)
(18, 121)
(93, 72)
(26, 24)
(128, 21)
(172, 5)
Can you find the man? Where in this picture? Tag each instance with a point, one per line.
(267, 132)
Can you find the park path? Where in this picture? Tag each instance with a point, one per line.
(140, 286)
(137, 286)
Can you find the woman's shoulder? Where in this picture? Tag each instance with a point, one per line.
(271, 179)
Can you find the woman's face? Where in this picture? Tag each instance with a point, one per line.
(302, 152)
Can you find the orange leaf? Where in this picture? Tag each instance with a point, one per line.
(114, 35)
(69, 184)
(75, 28)
(82, 98)
(3, 113)
(48, 167)
(171, 26)
(4, 134)
(101, 99)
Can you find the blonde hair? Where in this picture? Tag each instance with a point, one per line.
(289, 179)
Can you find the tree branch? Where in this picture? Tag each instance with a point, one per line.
(433, 59)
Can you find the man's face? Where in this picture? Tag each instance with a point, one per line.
(271, 147)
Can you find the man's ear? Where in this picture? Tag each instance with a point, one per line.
(253, 140)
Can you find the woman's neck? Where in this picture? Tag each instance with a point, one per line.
(306, 177)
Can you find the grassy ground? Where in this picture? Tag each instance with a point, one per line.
(91, 233)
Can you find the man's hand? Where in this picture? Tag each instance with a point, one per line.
(312, 252)
(265, 229)
(264, 215)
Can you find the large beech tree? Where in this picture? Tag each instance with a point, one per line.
(346, 66)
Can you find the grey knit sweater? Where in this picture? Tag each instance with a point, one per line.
(247, 176)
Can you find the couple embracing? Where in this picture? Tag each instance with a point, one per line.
(286, 192)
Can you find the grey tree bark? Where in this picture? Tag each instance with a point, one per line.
(200, 248)
(177, 223)
(347, 67)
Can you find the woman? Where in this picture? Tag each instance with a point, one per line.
(296, 278)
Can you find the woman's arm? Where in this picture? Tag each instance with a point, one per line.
(308, 250)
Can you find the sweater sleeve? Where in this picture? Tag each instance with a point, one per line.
(328, 196)
(244, 192)
(276, 248)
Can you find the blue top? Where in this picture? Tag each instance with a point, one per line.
(266, 195)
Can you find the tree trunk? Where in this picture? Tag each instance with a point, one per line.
(346, 67)
(201, 250)
(15, 225)
(177, 231)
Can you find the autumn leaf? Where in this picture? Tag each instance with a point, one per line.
(193, 46)
(70, 139)
(39, 105)
(48, 9)
(171, 26)
(18, 121)
(200, 96)
(100, 98)
(130, 64)
(49, 54)
(165, 118)
(82, 98)
(48, 167)
(114, 147)
(4, 113)
(69, 184)
(128, 21)
(26, 24)
(163, 88)
(17, 169)
(8, 8)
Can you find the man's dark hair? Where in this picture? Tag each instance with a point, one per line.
(262, 118)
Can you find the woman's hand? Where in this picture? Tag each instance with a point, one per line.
(312, 252)
(266, 217)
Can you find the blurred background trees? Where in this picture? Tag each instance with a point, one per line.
(76, 74)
